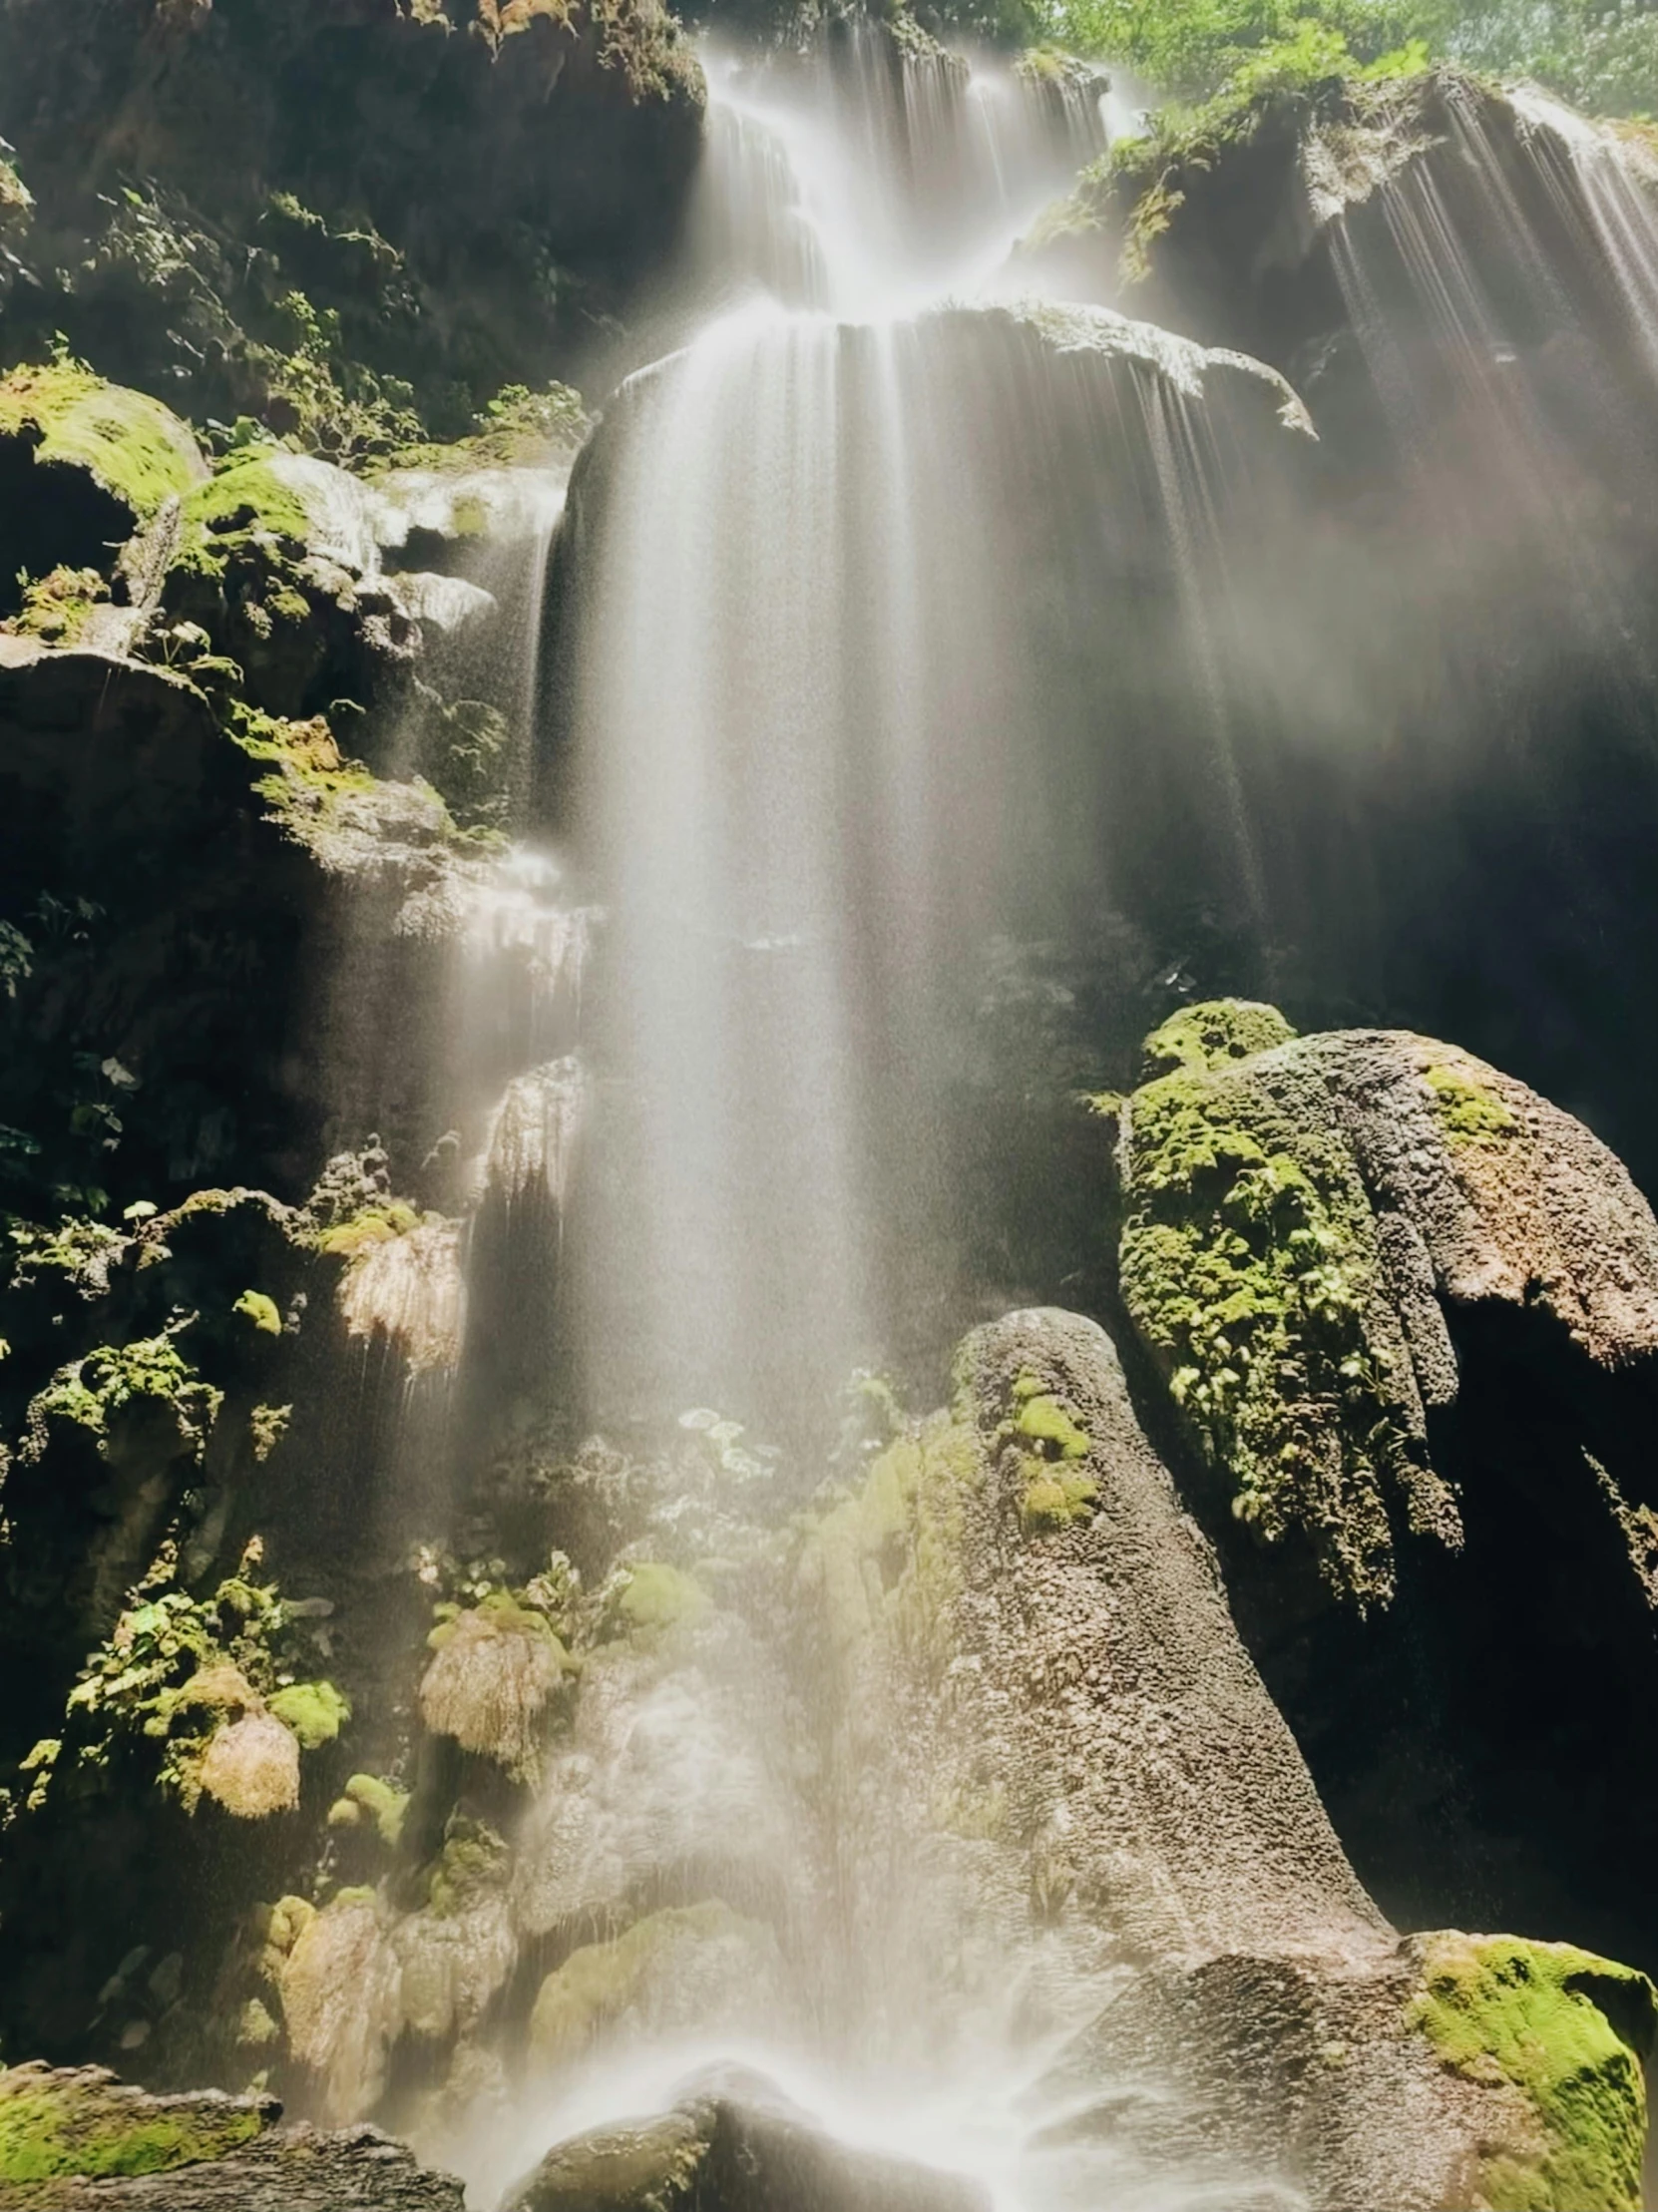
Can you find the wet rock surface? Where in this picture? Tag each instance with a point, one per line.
(301, 2169)
(740, 2149)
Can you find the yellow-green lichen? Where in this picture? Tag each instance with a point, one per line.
(887, 1557)
(1210, 1033)
(599, 1983)
(367, 1801)
(52, 2126)
(1468, 1113)
(316, 1711)
(655, 1597)
(245, 499)
(1247, 1264)
(90, 1392)
(131, 445)
(1570, 2032)
(262, 1310)
(56, 607)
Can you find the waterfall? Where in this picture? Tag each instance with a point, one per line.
(811, 587)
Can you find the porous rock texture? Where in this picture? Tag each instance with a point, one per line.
(1407, 1312)
(1041, 1687)
(1300, 1216)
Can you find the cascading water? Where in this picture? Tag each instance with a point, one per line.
(798, 691)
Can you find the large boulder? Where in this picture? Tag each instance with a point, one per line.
(737, 2147)
(1406, 1314)
(1039, 1688)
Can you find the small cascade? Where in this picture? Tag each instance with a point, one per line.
(872, 177)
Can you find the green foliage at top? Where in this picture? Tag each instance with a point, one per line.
(1468, 1113)
(1569, 2032)
(132, 445)
(51, 2129)
(1216, 54)
(1247, 1264)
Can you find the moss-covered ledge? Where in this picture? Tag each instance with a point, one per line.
(1570, 2033)
(56, 2123)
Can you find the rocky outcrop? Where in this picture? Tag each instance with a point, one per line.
(1405, 1310)
(1031, 1652)
(1298, 1216)
(83, 2142)
(419, 196)
(733, 2146)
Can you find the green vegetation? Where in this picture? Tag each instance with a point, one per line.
(600, 1982)
(262, 1310)
(1247, 1264)
(654, 1596)
(887, 1558)
(133, 446)
(245, 499)
(315, 1712)
(1569, 2032)
(80, 2126)
(1468, 1113)
(1600, 54)
(56, 605)
(367, 1801)
(179, 1675)
(91, 1391)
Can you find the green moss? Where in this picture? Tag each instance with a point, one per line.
(887, 1560)
(90, 1391)
(316, 1711)
(76, 2126)
(517, 428)
(1043, 1419)
(1210, 1033)
(372, 1225)
(1247, 1264)
(244, 500)
(56, 607)
(255, 1306)
(474, 1859)
(1468, 1113)
(132, 445)
(600, 1982)
(657, 1597)
(1571, 2032)
(368, 1799)
(173, 1669)
(1054, 1498)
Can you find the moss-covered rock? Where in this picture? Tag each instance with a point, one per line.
(1572, 2035)
(494, 1667)
(59, 2123)
(130, 446)
(1299, 1214)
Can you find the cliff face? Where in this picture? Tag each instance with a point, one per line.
(350, 221)
(378, 1735)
